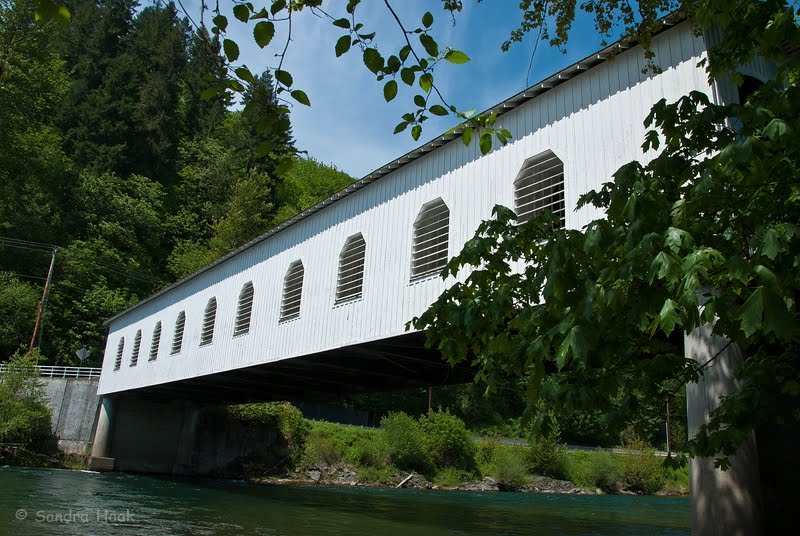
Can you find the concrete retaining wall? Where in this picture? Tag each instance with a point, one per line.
(73, 403)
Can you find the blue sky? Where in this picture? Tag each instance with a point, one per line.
(349, 124)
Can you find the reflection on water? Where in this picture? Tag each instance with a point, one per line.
(43, 501)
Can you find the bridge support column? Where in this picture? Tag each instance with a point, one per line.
(723, 502)
(184, 453)
(101, 449)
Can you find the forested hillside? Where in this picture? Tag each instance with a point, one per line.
(108, 152)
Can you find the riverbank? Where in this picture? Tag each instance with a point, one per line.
(437, 452)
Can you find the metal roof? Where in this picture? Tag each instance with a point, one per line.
(501, 108)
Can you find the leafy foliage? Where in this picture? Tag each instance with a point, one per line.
(405, 442)
(24, 416)
(448, 441)
(711, 220)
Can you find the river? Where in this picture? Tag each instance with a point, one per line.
(53, 501)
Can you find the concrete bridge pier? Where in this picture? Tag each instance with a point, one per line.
(101, 459)
(724, 503)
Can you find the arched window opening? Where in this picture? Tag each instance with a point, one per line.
(209, 318)
(137, 344)
(539, 186)
(430, 242)
(292, 291)
(244, 310)
(350, 281)
(120, 349)
(156, 341)
(177, 339)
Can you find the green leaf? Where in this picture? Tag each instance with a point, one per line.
(407, 75)
(426, 82)
(485, 142)
(342, 23)
(438, 109)
(277, 6)
(574, 342)
(301, 97)
(776, 128)
(427, 19)
(343, 45)
(47, 10)
(284, 78)
(456, 56)
(210, 92)
(373, 60)
(231, 50)
(770, 244)
(400, 127)
(404, 52)
(668, 317)
(466, 136)
(750, 314)
(263, 33)
(241, 12)
(390, 90)
(419, 100)
(220, 21)
(245, 74)
(430, 44)
(415, 132)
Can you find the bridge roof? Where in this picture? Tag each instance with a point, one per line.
(499, 109)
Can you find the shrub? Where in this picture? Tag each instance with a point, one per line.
(643, 471)
(283, 417)
(509, 467)
(447, 440)
(487, 449)
(546, 455)
(451, 477)
(322, 449)
(24, 416)
(594, 469)
(404, 442)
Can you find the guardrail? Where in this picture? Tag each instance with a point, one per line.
(50, 371)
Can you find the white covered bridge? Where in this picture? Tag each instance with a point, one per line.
(320, 304)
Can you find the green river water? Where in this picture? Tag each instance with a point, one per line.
(47, 501)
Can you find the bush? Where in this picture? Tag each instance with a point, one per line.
(283, 417)
(404, 442)
(546, 455)
(24, 416)
(594, 469)
(447, 440)
(451, 477)
(643, 471)
(323, 449)
(509, 468)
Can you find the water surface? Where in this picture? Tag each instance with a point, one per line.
(48, 501)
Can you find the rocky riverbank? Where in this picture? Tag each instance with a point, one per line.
(346, 476)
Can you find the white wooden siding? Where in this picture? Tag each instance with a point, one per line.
(592, 122)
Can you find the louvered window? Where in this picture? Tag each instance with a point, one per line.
(244, 310)
(539, 186)
(350, 282)
(156, 342)
(431, 231)
(177, 339)
(137, 344)
(120, 349)
(209, 317)
(292, 291)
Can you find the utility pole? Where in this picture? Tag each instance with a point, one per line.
(37, 327)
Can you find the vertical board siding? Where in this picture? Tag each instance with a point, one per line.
(592, 122)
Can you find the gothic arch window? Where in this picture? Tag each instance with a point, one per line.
(244, 310)
(539, 186)
(350, 279)
(430, 242)
(177, 339)
(292, 291)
